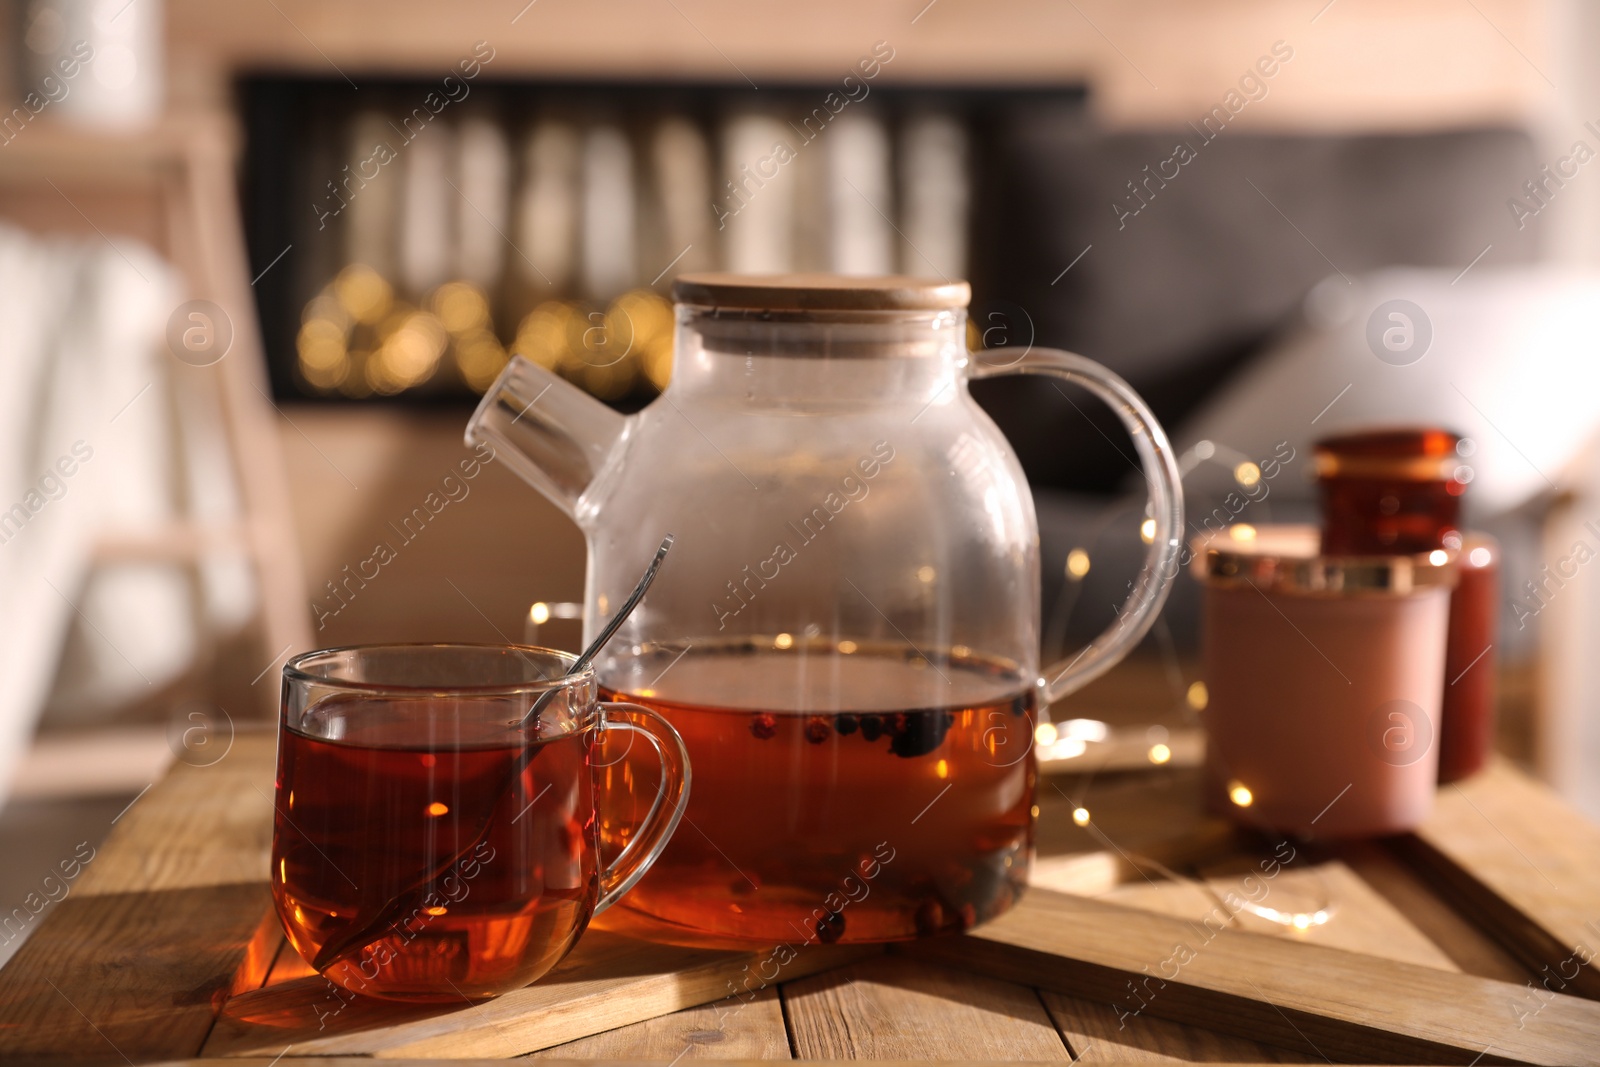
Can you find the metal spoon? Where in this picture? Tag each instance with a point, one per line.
(608, 631)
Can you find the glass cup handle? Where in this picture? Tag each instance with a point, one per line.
(1161, 560)
(666, 810)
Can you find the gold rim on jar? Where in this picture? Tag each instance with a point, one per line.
(1285, 559)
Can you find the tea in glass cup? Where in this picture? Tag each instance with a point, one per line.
(434, 840)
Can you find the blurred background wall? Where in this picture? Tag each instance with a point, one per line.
(1359, 67)
(1382, 136)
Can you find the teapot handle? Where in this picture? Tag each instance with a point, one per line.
(1161, 560)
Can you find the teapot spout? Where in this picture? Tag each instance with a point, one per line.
(552, 434)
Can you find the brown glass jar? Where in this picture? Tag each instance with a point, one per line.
(1395, 491)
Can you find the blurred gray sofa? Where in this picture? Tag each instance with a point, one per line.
(1181, 296)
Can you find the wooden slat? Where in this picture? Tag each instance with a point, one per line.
(607, 982)
(362, 1061)
(101, 762)
(1182, 899)
(1360, 919)
(1523, 865)
(135, 975)
(727, 1030)
(898, 1008)
(170, 917)
(1097, 1035)
(1306, 997)
(290, 965)
(1469, 948)
(199, 826)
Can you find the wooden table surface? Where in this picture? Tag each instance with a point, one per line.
(1466, 942)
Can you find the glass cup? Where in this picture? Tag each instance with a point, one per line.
(429, 843)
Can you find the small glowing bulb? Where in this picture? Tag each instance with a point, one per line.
(436, 911)
(1302, 921)
(1077, 563)
(1080, 816)
(1045, 734)
(1147, 531)
(1479, 557)
(1160, 753)
(1242, 532)
(1438, 557)
(1034, 811)
(925, 574)
(1247, 474)
(539, 613)
(436, 809)
(1240, 794)
(942, 769)
(1197, 696)
(784, 641)
(847, 647)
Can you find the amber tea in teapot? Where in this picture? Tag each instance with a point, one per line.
(914, 819)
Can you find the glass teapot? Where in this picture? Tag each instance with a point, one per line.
(846, 633)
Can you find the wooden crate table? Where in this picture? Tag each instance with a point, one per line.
(1466, 942)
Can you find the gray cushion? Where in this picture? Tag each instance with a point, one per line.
(1177, 296)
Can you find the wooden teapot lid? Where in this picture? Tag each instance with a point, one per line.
(820, 292)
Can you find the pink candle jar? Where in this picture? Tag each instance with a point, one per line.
(1324, 677)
